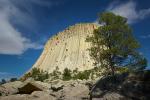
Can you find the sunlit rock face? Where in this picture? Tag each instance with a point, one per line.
(68, 49)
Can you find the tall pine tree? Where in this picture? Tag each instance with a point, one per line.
(113, 44)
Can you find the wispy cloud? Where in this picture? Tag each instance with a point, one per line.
(145, 36)
(97, 23)
(6, 75)
(129, 10)
(45, 3)
(12, 41)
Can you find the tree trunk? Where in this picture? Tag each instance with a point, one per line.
(113, 74)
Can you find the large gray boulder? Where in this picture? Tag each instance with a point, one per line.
(69, 90)
(29, 86)
(3, 91)
(76, 92)
(10, 88)
(112, 96)
(41, 95)
(135, 85)
(45, 86)
(36, 95)
(15, 97)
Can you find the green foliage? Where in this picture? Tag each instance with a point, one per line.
(75, 71)
(122, 70)
(42, 76)
(67, 74)
(13, 79)
(36, 74)
(82, 75)
(113, 44)
(55, 74)
(26, 76)
(137, 63)
(75, 74)
(3, 81)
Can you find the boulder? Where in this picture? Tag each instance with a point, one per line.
(3, 91)
(135, 86)
(29, 87)
(36, 95)
(15, 97)
(112, 96)
(41, 95)
(10, 88)
(57, 87)
(79, 91)
(70, 90)
(45, 86)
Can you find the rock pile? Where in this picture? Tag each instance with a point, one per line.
(127, 86)
(35, 90)
(133, 86)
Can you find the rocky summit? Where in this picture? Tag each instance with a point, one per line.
(67, 49)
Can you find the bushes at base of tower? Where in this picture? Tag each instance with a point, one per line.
(67, 74)
(36, 74)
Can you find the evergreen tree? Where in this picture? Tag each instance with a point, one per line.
(113, 44)
(3, 81)
(67, 74)
(13, 79)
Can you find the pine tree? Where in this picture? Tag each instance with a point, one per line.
(113, 44)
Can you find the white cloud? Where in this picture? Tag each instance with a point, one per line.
(97, 23)
(6, 75)
(145, 36)
(45, 3)
(129, 10)
(11, 40)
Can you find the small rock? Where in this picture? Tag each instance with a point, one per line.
(57, 87)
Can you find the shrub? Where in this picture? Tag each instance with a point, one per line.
(36, 74)
(3, 81)
(26, 76)
(75, 71)
(56, 74)
(82, 75)
(122, 69)
(13, 79)
(67, 74)
(42, 76)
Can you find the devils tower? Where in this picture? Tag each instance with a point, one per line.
(67, 49)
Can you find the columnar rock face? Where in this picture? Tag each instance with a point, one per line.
(68, 49)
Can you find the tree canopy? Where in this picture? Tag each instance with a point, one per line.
(113, 44)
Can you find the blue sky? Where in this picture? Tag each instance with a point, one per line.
(26, 25)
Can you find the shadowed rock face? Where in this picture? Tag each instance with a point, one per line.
(128, 86)
(67, 49)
